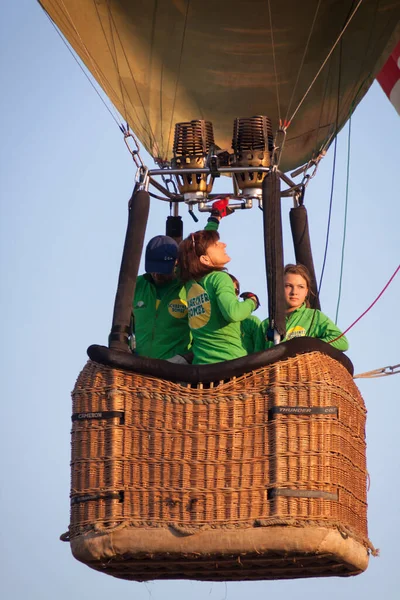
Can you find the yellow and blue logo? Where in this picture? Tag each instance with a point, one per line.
(178, 308)
(295, 332)
(199, 307)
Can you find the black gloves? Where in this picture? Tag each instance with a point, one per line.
(252, 296)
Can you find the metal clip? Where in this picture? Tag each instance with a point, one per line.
(390, 370)
(142, 179)
(278, 149)
(212, 164)
(313, 162)
(167, 181)
(299, 194)
(307, 176)
(383, 372)
(135, 152)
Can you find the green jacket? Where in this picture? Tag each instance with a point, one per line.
(250, 331)
(214, 318)
(306, 322)
(160, 318)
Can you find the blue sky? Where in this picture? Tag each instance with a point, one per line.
(66, 178)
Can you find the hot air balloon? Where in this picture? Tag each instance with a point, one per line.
(254, 468)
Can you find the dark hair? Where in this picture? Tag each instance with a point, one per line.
(236, 284)
(190, 251)
(304, 273)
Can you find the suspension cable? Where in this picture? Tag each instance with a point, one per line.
(274, 62)
(345, 218)
(382, 372)
(114, 54)
(328, 227)
(318, 149)
(333, 173)
(302, 61)
(179, 71)
(152, 136)
(82, 68)
(369, 307)
(100, 76)
(326, 59)
(114, 57)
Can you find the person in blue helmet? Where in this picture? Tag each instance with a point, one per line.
(160, 326)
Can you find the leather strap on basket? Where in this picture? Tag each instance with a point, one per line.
(302, 411)
(99, 415)
(274, 492)
(95, 497)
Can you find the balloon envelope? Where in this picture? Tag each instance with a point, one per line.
(178, 60)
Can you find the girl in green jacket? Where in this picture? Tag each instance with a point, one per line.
(214, 311)
(301, 320)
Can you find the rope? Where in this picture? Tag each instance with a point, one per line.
(382, 372)
(333, 174)
(274, 62)
(153, 138)
(328, 227)
(345, 218)
(302, 61)
(369, 307)
(179, 71)
(316, 150)
(96, 69)
(347, 198)
(326, 60)
(369, 50)
(81, 68)
(115, 56)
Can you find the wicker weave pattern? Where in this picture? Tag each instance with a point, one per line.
(205, 458)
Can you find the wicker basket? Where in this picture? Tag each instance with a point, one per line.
(260, 477)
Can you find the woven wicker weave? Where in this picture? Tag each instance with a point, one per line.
(220, 482)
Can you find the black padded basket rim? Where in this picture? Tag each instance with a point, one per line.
(194, 374)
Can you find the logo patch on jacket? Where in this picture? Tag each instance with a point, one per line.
(199, 307)
(140, 304)
(177, 308)
(295, 332)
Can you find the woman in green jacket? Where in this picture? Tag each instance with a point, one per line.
(159, 313)
(214, 311)
(301, 320)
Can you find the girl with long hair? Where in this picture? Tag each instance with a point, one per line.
(301, 320)
(214, 310)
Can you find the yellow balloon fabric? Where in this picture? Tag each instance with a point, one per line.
(166, 61)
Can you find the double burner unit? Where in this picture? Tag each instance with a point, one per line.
(199, 160)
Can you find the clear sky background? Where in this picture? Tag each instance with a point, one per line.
(66, 178)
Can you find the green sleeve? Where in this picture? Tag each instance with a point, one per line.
(261, 341)
(231, 308)
(212, 224)
(327, 331)
(250, 328)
